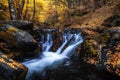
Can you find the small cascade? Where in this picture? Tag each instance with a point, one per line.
(66, 38)
(73, 45)
(48, 44)
(51, 60)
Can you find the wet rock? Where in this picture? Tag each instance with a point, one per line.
(17, 39)
(3, 47)
(37, 33)
(24, 25)
(10, 69)
(115, 30)
(57, 35)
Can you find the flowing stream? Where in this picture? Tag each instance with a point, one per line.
(52, 60)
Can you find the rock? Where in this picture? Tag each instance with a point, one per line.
(57, 35)
(102, 52)
(36, 34)
(3, 47)
(17, 39)
(10, 69)
(113, 54)
(112, 21)
(24, 25)
(115, 30)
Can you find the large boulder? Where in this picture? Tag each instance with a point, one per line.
(17, 39)
(24, 25)
(10, 69)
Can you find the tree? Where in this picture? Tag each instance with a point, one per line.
(12, 9)
(20, 9)
(16, 8)
(26, 11)
(33, 10)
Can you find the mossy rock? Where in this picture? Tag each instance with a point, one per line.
(90, 47)
(24, 25)
(10, 69)
(104, 37)
(17, 39)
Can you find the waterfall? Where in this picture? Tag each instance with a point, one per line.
(48, 44)
(66, 38)
(52, 60)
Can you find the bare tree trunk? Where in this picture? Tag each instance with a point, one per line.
(26, 11)
(20, 9)
(12, 9)
(33, 10)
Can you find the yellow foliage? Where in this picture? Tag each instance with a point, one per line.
(43, 8)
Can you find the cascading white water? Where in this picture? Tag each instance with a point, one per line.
(48, 44)
(52, 60)
(66, 38)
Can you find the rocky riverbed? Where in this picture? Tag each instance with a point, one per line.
(98, 56)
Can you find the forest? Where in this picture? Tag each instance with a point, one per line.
(59, 39)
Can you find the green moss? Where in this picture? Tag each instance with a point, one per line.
(105, 37)
(12, 30)
(89, 44)
(93, 50)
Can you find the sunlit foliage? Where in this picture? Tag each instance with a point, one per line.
(44, 9)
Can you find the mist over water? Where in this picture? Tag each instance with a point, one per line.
(49, 60)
